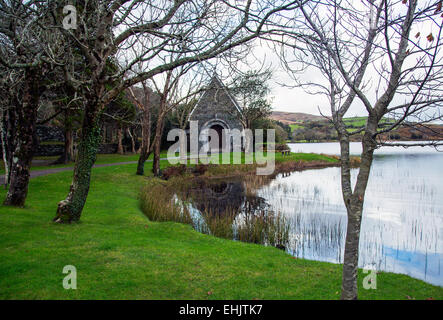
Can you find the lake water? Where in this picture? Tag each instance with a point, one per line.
(402, 226)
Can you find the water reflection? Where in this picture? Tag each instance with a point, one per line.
(220, 197)
(231, 209)
(403, 212)
(402, 220)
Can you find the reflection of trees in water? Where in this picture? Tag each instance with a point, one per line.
(254, 204)
(231, 209)
(222, 197)
(218, 197)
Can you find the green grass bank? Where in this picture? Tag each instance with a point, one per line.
(120, 254)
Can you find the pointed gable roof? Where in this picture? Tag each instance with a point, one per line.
(216, 83)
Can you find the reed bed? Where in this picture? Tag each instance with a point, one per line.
(184, 193)
(158, 204)
(264, 227)
(261, 227)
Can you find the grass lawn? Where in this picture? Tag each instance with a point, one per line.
(101, 159)
(240, 157)
(356, 122)
(294, 126)
(120, 254)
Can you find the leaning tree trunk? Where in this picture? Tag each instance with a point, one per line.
(70, 209)
(145, 152)
(354, 206)
(26, 113)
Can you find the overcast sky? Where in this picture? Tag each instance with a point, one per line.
(295, 99)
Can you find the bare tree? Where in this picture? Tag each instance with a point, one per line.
(251, 90)
(205, 29)
(9, 82)
(179, 85)
(28, 55)
(61, 107)
(182, 112)
(143, 100)
(371, 53)
(121, 112)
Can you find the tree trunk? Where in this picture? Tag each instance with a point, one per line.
(104, 134)
(69, 145)
(8, 136)
(26, 140)
(145, 152)
(70, 209)
(157, 144)
(132, 140)
(350, 261)
(120, 140)
(4, 151)
(68, 153)
(248, 142)
(145, 149)
(354, 205)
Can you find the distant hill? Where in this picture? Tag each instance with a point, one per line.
(293, 117)
(309, 127)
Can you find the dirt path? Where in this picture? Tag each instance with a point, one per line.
(38, 173)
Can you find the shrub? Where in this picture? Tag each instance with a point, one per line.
(278, 147)
(173, 171)
(200, 169)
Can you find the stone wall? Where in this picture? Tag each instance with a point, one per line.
(48, 150)
(216, 107)
(105, 148)
(51, 143)
(216, 104)
(53, 134)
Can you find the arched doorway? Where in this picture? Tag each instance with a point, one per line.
(217, 144)
(212, 134)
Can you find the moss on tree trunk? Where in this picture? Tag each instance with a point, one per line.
(70, 209)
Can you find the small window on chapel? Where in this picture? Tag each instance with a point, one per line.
(216, 95)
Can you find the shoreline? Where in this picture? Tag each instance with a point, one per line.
(120, 254)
